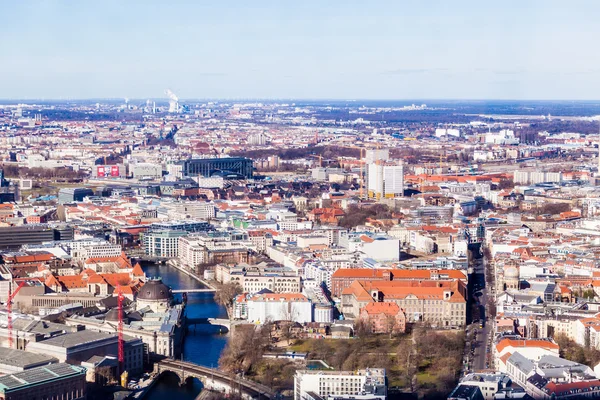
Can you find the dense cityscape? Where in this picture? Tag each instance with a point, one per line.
(321, 250)
(358, 200)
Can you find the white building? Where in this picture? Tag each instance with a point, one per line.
(146, 171)
(385, 180)
(361, 384)
(279, 307)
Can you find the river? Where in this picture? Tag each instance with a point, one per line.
(200, 348)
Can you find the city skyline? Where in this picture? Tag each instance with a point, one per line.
(379, 51)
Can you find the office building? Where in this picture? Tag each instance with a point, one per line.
(236, 167)
(146, 171)
(16, 236)
(365, 384)
(162, 243)
(385, 180)
(184, 225)
(70, 195)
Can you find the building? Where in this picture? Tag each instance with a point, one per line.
(76, 347)
(214, 247)
(16, 236)
(162, 243)
(344, 277)
(488, 383)
(254, 278)
(13, 360)
(54, 381)
(532, 349)
(383, 317)
(466, 392)
(194, 210)
(184, 225)
(155, 320)
(155, 295)
(385, 180)
(108, 171)
(264, 307)
(146, 171)
(236, 167)
(361, 384)
(441, 303)
(70, 195)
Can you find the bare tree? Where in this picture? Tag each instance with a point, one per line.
(391, 324)
(226, 293)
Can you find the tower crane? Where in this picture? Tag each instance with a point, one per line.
(9, 313)
(121, 350)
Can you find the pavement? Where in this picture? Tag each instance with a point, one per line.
(479, 352)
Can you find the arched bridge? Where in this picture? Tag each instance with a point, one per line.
(214, 379)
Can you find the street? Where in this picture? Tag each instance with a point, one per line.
(480, 329)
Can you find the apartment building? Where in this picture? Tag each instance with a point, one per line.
(361, 384)
(254, 278)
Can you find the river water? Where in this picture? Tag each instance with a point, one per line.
(202, 348)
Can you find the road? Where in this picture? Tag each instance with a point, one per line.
(480, 344)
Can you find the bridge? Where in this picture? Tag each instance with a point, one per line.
(214, 379)
(194, 290)
(225, 323)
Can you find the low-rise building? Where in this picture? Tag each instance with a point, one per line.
(279, 307)
(364, 384)
(56, 381)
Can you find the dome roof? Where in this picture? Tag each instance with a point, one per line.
(154, 289)
(511, 272)
(113, 315)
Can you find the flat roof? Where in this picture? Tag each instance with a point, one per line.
(73, 339)
(23, 359)
(36, 376)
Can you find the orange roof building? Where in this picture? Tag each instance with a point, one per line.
(441, 303)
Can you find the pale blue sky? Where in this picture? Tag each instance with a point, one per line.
(367, 49)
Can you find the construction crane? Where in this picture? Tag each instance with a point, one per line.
(9, 313)
(362, 171)
(320, 157)
(121, 349)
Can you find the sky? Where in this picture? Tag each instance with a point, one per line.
(308, 49)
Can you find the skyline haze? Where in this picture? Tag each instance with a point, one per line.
(379, 50)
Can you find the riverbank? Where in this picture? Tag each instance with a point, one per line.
(202, 348)
(145, 387)
(175, 264)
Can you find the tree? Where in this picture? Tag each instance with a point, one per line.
(244, 349)
(226, 293)
(391, 324)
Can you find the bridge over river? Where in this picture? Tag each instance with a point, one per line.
(214, 379)
(210, 290)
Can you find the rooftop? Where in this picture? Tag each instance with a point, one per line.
(36, 376)
(23, 359)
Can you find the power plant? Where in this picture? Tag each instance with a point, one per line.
(173, 101)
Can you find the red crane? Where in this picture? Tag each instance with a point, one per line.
(121, 351)
(9, 313)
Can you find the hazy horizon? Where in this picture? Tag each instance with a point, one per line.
(380, 50)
